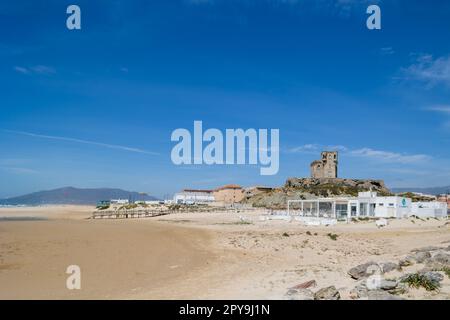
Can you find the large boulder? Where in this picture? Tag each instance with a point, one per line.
(407, 261)
(328, 293)
(441, 257)
(364, 270)
(387, 267)
(421, 256)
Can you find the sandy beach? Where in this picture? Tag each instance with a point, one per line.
(195, 255)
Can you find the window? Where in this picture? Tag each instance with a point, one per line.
(391, 204)
(381, 204)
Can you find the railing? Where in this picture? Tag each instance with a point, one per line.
(146, 213)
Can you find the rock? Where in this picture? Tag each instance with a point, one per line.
(328, 293)
(299, 294)
(363, 270)
(382, 295)
(359, 291)
(381, 223)
(379, 283)
(421, 256)
(388, 284)
(406, 262)
(424, 249)
(401, 288)
(305, 285)
(389, 266)
(432, 266)
(442, 257)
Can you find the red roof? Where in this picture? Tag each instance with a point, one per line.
(197, 190)
(229, 186)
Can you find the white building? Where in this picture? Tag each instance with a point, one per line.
(433, 209)
(192, 196)
(119, 201)
(367, 204)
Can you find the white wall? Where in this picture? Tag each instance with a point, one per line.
(193, 197)
(429, 209)
(392, 207)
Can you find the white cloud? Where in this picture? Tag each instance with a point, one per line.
(39, 69)
(429, 70)
(100, 144)
(18, 170)
(379, 155)
(387, 51)
(305, 148)
(388, 156)
(22, 70)
(440, 108)
(315, 148)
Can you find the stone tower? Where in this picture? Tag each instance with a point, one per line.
(326, 167)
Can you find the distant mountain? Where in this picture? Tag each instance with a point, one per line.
(432, 190)
(70, 195)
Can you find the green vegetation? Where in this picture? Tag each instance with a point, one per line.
(415, 197)
(128, 206)
(236, 223)
(332, 236)
(446, 270)
(103, 207)
(417, 280)
(308, 233)
(285, 234)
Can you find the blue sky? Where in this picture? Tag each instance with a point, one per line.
(96, 107)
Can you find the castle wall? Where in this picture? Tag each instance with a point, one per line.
(326, 167)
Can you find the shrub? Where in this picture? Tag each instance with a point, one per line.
(332, 236)
(417, 280)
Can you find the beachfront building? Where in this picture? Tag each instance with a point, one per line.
(194, 196)
(119, 201)
(229, 194)
(446, 199)
(432, 209)
(367, 204)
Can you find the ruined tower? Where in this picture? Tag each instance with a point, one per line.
(326, 167)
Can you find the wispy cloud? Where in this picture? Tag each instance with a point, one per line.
(429, 70)
(95, 143)
(440, 108)
(39, 69)
(386, 51)
(20, 170)
(388, 156)
(379, 155)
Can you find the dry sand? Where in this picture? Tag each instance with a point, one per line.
(194, 255)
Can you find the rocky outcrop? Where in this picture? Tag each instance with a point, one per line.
(311, 188)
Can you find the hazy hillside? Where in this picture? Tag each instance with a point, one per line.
(432, 190)
(70, 195)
